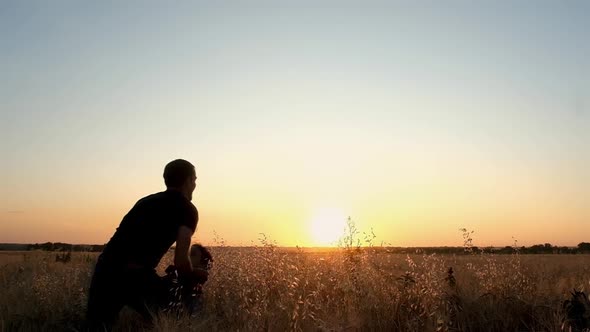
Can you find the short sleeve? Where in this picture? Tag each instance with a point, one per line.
(189, 216)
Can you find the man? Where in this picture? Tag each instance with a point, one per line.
(125, 272)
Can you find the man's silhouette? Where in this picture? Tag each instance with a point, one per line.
(125, 272)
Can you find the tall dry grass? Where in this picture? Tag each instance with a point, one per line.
(348, 289)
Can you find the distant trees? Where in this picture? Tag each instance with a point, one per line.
(506, 250)
(546, 248)
(584, 247)
(59, 246)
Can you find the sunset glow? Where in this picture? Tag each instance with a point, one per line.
(414, 119)
(327, 227)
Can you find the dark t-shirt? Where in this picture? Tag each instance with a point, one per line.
(149, 229)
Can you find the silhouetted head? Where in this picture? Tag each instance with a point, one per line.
(180, 175)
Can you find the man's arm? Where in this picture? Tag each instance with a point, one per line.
(181, 253)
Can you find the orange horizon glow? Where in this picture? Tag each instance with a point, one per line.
(415, 120)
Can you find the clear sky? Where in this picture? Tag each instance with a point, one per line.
(414, 118)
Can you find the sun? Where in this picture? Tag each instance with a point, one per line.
(327, 227)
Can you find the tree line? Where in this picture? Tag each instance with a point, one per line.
(547, 248)
(59, 246)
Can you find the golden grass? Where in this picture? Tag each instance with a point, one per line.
(267, 288)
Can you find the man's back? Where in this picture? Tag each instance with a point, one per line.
(125, 272)
(149, 229)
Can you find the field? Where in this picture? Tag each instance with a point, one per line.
(268, 288)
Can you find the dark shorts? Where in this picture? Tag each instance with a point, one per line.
(113, 287)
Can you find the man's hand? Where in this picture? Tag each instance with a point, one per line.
(200, 276)
(197, 277)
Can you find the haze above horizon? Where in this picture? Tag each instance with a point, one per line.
(414, 119)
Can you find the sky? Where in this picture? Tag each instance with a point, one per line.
(413, 118)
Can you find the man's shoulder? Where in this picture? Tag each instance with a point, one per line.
(189, 206)
(151, 197)
(179, 201)
(173, 202)
(189, 210)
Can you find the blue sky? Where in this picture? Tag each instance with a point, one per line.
(299, 102)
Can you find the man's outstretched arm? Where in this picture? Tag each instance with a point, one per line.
(181, 253)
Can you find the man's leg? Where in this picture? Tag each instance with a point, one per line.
(104, 299)
(146, 293)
